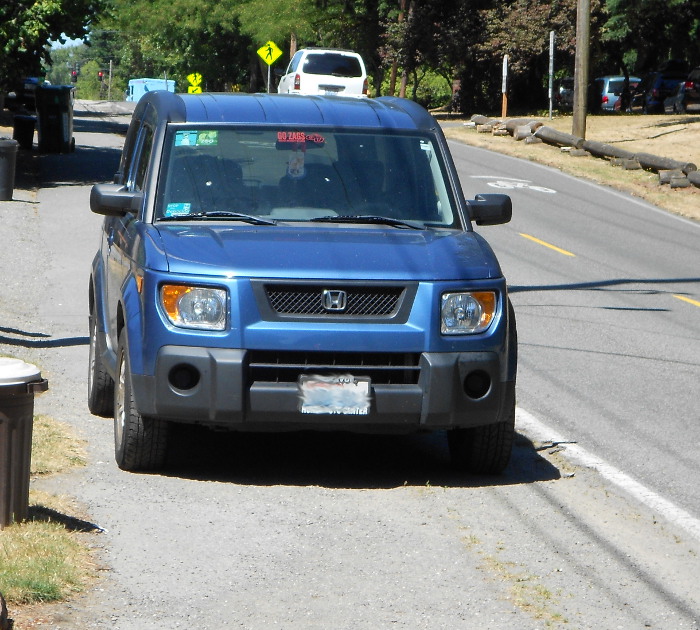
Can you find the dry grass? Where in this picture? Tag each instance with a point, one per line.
(54, 447)
(675, 137)
(45, 559)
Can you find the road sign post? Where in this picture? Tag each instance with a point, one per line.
(269, 53)
(504, 88)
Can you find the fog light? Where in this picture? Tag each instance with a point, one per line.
(477, 384)
(184, 377)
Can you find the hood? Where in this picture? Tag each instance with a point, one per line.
(336, 251)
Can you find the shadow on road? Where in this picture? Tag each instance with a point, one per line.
(606, 285)
(85, 166)
(337, 460)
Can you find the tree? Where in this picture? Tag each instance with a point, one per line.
(176, 38)
(645, 33)
(27, 27)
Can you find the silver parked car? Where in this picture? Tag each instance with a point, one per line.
(610, 89)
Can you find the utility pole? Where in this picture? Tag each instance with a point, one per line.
(583, 27)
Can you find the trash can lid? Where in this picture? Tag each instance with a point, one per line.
(16, 372)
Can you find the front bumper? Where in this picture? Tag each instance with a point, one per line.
(236, 389)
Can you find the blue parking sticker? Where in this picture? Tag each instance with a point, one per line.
(177, 209)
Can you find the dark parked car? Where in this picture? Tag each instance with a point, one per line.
(656, 87)
(564, 93)
(675, 103)
(691, 101)
(275, 262)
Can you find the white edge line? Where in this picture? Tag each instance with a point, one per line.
(676, 515)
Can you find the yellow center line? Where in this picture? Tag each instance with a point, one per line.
(685, 299)
(554, 247)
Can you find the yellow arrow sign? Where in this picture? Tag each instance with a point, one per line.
(269, 53)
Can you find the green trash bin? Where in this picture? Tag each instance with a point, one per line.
(19, 381)
(8, 161)
(54, 108)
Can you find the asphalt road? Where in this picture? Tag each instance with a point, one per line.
(609, 322)
(367, 532)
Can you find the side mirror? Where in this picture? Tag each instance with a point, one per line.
(490, 209)
(113, 199)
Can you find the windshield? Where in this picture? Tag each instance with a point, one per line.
(283, 174)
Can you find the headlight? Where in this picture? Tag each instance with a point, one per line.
(466, 313)
(194, 307)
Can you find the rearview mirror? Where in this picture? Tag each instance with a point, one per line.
(490, 209)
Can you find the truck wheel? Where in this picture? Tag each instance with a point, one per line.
(139, 443)
(100, 383)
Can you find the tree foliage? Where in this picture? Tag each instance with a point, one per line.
(27, 26)
(642, 34)
(432, 45)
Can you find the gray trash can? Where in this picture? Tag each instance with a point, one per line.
(54, 108)
(19, 381)
(23, 131)
(8, 160)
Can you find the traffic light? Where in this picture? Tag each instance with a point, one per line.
(74, 76)
(101, 75)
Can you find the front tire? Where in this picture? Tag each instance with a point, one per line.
(486, 450)
(100, 383)
(139, 443)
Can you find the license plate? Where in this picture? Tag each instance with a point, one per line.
(340, 394)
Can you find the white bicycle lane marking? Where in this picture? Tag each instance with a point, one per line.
(511, 183)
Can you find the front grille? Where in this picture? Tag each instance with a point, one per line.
(296, 300)
(382, 367)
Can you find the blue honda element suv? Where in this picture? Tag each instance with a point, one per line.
(284, 262)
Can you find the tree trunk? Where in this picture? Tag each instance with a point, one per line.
(552, 136)
(657, 163)
(600, 149)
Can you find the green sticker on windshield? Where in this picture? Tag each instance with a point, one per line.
(206, 138)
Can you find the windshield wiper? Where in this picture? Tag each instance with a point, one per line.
(220, 214)
(366, 218)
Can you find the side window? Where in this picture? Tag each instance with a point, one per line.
(141, 156)
(294, 62)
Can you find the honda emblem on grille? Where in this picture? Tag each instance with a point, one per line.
(334, 300)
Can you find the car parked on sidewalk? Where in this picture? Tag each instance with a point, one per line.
(279, 262)
(325, 71)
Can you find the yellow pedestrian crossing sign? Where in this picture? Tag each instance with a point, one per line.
(195, 81)
(269, 53)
